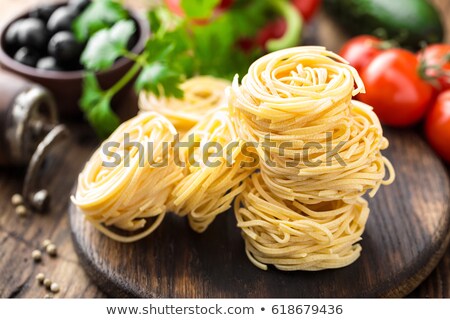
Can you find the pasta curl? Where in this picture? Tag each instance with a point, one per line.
(126, 185)
(294, 236)
(320, 153)
(214, 170)
(202, 94)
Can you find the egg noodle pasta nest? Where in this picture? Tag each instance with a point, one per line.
(294, 236)
(201, 95)
(130, 194)
(304, 210)
(302, 97)
(209, 189)
(357, 167)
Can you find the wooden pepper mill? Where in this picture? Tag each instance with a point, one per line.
(28, 129)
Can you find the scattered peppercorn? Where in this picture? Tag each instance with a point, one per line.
(47, 283)
(36, 255)
(54, 287)
(40, 277)
(51, 249)
(21, 210)
(17, 199)
(46, 243)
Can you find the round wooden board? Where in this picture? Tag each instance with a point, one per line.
(407, 233)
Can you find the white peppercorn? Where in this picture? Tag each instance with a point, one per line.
(51, 249)
(54, 287)
(40, 277)
(46, 243)
(21, 210)
(17, 199)
(47, 283)
(36, 255)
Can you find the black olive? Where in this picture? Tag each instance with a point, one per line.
(80, 5)
(27, 56)
(65, 48)
(44, 12)
(11, 36)
(31, 32)
(61, 19)
(48, 63)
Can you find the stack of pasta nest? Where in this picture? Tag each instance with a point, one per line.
(320, 153)
(299, 208)
(159, 162)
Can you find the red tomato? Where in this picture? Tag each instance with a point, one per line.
(360, 51)
(273, 30)
(437, 126)
(307, 7)
(437, 55)
(394, 88)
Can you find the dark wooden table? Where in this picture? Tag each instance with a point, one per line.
(20, 236)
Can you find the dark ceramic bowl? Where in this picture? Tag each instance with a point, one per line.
(66, 86)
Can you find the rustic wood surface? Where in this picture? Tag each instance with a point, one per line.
(18, 237)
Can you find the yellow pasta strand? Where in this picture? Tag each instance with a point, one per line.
(320, 153)
(131, 192)
(209, 189)
(294, 236)
(202, 94)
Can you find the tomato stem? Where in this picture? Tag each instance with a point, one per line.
(386, 44)
(438, 73)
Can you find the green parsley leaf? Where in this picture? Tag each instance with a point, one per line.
(199, 9)
(92, 92)
(216, 51)
(251, 16)
(103, 119)
(154, 20)
(162, 20)
(107, 45)
(160, 79)
(212, 44)
(159, 49)
(96, 105)
(98, 15)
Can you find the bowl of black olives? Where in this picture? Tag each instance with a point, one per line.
(40, 45)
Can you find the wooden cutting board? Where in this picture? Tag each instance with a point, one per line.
(407, 233)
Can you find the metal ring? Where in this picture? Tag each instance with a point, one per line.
(58, 134)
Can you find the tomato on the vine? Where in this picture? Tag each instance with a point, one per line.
(361, 50)
(437, 126)
(435, 61)
(394, 88)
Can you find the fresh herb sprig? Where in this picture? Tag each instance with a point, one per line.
(200, 43)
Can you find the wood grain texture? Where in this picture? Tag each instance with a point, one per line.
(18, 237)
(406, 235)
